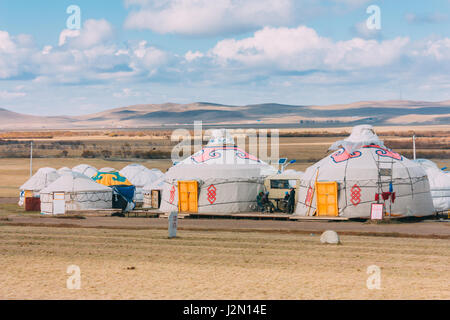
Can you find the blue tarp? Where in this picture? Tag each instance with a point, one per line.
(127, 194)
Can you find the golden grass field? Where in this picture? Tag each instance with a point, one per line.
(145, 264)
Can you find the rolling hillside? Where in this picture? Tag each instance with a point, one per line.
(171, 114)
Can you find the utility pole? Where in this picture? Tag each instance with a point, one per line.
(414, 146)
(31, 160)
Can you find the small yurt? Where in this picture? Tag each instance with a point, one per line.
(219, 178)
(439, 184)
(147, 190)
(123, 189)
(85, 169)
(41, 179)
(140, 176)
(75, 192)
(360, 172)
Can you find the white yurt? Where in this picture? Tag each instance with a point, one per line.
(148, 188)
(439, 184)
(73, 192)
(41, 179)
(219, 178)
(360, 173)
(85, 169)
(64, 170)
(140, 176)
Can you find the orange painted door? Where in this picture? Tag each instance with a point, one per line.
(187, 196)
(327, 199)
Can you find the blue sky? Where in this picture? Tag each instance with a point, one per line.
(224, 51)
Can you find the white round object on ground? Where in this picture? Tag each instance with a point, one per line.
(330, 237)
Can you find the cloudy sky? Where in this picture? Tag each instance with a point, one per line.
(224, 51)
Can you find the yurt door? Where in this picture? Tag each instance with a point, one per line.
(327, 199)
(59, 203)
(187, 196)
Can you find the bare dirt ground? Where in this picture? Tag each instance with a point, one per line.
(423, 229)
(132, 258)
(144, 264)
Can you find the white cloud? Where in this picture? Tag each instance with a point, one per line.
(301, 49)
(200, 17)
(437, 49)
(191, 56)
(8, 95)
(6, 43)
(94, 32)
(66, 33)
(125, 93)
(291, 57)
(360, 30)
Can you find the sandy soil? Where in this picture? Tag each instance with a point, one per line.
(424, 229)
(144, 264)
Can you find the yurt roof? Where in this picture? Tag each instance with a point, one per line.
(85, 169)
(361, 135)
(75, 183)
(221, 150)
(42, 178)
(359, 162)
(427, 164)
(107, 169)
(111, 179)
(64, 170)
(155, 185)
(140, 175)
(215, 171)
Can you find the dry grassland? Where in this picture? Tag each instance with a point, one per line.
(132, 264)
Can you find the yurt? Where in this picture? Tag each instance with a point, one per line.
(439, 184)
(41, 179)
(111, 178)
(85, 169)
(107, 169)
(219, 178)
(64, 170)
(123, 189)
(140, 176)
(147, 190)
(74, 192)
(361, 172)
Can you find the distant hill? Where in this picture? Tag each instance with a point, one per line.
(172, 114)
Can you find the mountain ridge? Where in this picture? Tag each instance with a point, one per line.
(391, 112)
